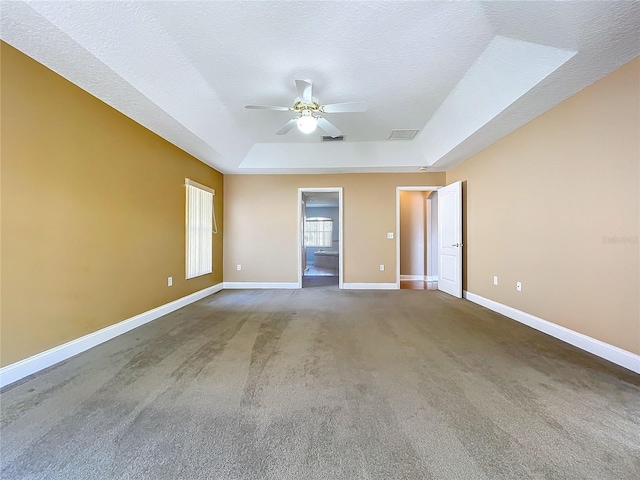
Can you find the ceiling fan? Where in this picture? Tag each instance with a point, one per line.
(309, 111)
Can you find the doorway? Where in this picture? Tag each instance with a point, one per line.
(446, 243)
(417, 238)
(418, 226)
(320, 253)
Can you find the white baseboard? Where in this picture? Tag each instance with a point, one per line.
(601, 349)
(252, 285)
(421, 278)
(369, 286)
(23, 368)
(412, 277)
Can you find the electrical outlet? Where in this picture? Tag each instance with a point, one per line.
(389, 235)
(382, 268)
(238, 267)
(169, 281)
(519, 286)
(495, 279)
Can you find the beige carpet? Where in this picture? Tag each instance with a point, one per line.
(320, 383)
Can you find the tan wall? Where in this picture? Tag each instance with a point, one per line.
(92, 213)
(261, 224)
(541, 203)
(413, 228)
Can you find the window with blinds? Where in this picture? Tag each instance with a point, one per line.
(318, 232)
(199, 226)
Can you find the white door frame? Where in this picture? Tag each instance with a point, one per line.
(340, 238)
(432, 271)
(398, 190)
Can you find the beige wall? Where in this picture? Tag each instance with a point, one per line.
(261, 224)
(413, 229)
(92, 213)
(541, 203)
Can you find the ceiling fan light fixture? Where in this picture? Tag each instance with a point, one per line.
(309, 112)
(307, 123)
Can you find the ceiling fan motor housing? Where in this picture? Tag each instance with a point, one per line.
(300, 106)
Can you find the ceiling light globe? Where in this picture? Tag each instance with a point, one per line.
(307, 123)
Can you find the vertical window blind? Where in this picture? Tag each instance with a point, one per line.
(199, 226)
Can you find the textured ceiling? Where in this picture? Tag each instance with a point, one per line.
(463, 73)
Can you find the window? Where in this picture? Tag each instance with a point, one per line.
(199, 226)
(318, 232)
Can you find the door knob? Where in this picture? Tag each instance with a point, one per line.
(456, 245)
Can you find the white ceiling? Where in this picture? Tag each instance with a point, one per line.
(464, 73)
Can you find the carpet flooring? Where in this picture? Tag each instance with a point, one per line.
(320, 383)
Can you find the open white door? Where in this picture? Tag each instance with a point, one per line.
(450, 239)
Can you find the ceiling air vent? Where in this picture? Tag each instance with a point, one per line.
(401, 134)
(327, 138)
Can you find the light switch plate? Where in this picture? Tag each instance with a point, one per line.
(389, 235)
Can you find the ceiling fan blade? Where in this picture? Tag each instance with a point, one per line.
(305, 90)
(268, 107)
(287, 126)
(328, 127)
(345, 107)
